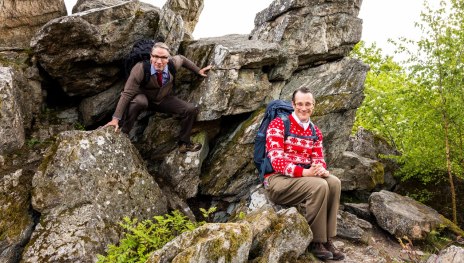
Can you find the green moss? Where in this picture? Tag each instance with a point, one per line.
(16, 218)
(48, 157)
(331, 103)
(452, 227)
(217, 248)
(377, 175)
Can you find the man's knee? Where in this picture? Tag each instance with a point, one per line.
(191, 110)
(334, 182)
(140, 101)
(320, 186)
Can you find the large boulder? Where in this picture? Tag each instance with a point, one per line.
(209, 243)
(182, 170)
(359, 173)
(86, 61)
(189, 10)
(12, 136)
(86, 184)
(237, 83)
(21, 19)
(171, 29)
(96, 108)
(278, 236)
(312, 30)
(231, 172)
(452, 254)
(351, 227)
(369, 145)
(402, 216)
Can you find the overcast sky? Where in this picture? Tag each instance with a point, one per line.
(382, 19)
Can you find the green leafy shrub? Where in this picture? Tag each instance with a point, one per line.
(142, 238)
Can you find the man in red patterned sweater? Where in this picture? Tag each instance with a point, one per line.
(300, 175)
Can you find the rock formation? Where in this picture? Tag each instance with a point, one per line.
(71, 187)
(20, 19)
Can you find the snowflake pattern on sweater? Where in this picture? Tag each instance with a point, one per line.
(285, 156)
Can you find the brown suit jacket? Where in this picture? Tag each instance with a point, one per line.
(152, 90)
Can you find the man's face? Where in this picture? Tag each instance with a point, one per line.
(303, 105)
(159, 58)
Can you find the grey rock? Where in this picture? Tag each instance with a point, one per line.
(351, 227)
(229, 242)
(171, 29)
(365, 143)
(16, 223)
(84, 5)
(12, 135)
(237, 83)
(182, 170)
(288, 239)
(86, 183)
(313, 30)
(452, 254)
(84, 63)
(95, 108)
(359, 173)
(231, 170)
(361, 210)
(20, 20)
(403, 216)
(189, 10)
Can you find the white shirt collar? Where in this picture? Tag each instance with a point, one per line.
(305, 125)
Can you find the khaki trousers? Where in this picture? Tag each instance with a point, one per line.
(319, 196)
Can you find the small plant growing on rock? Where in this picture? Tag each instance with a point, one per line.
(142, 238)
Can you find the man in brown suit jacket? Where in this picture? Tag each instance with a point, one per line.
(157, 95)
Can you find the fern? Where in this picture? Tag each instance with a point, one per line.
(142, 238)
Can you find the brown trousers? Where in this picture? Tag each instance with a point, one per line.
(319, 196)
(170, 104)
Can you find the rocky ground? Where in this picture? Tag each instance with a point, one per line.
(381, 248)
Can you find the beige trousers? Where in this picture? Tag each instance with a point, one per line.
(319, 196)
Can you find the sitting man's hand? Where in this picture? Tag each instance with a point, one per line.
(316, 170)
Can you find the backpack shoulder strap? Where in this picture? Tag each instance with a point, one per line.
(313, 131)
(286, 126)
(313, 137)
(146, 73)
(172, 68)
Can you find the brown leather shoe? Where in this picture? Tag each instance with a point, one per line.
(318, 249)
(189, 147)
(337, 255)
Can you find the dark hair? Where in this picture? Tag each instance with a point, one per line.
(304, 90)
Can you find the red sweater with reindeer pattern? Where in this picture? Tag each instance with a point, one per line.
(286, 155)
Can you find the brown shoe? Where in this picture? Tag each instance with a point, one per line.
(319, 250)
(189, 147)
(337, 255)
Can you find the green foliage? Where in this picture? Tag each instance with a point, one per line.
(419, 106)
(142, 238)
(79, 126)
(32, 142)
(386, 89)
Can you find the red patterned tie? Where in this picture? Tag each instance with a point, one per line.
(159, 78)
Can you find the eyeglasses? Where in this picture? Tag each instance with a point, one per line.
(307, 105)
(156, 57)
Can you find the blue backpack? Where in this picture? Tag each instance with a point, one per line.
(276, 108)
